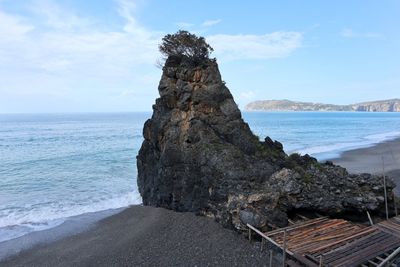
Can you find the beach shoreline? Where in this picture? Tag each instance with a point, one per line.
(71, 226)
(378, 159)
(146, 236)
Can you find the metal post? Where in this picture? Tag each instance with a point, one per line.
(389, 258)
(284, 249)
(249, 234)
(394, 203)
(384, 188)
(271, 255)
(369, 218)
(321, 261)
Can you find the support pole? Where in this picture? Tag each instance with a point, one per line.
(321, 261)
(284, 249)
(369, 218)
(271, 255)
(384, 188)
(262, 243)
(394, 203)
(249, 234)
(389, 258)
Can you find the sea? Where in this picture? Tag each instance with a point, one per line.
(54, 167)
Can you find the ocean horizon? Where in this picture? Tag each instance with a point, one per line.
(57, 166)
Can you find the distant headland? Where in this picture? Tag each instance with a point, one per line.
(390, 105)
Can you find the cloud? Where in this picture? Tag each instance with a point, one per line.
(54, 51)
(12, 28)
(82, 50)
(68, 53)
(350, 33)
(209, 23)
(272, 45)
(56, 17)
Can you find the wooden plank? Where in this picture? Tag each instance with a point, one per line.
(266, 237)
(298, 225)
(340, 242)
(339, 239)
(349, 239)
(365, 254)
(361, 259)
(356, 247)
(314, 230)
(304, 260)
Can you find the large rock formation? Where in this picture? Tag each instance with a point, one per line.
(199, 155)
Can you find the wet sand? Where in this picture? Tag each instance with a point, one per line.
(370, 160)
(147, 236)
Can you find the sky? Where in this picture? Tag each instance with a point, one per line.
(100, 56)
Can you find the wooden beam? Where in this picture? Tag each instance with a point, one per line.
(296, 226)
(267, 238)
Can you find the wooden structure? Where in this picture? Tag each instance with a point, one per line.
(336, 242)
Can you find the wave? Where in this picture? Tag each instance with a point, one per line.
(16, 224)
(333, 150)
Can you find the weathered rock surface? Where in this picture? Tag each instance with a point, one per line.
(199, 155)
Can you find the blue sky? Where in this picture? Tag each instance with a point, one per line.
(99, 56)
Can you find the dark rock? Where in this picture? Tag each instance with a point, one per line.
(199, 155)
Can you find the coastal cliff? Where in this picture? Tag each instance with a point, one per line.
(199, 155)
(391, 105)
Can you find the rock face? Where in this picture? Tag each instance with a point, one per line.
(199, 155)
(391, 105)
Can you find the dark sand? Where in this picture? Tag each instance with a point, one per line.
(370, 160)
(146, 236)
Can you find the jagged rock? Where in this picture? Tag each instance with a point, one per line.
(199, 155)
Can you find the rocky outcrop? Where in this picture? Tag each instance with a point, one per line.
(199, 155)
(392, 105)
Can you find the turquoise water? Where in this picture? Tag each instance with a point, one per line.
(325, 135)
(54, 166)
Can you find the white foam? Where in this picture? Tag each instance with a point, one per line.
(366, 141)
(331, 148)
(382, 137)
(16, 224)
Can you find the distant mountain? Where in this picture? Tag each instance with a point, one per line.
(391, 105)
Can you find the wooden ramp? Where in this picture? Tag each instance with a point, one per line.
(338, 242)
(391, 226)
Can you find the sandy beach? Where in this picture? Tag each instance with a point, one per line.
(147, 236)
(370, 160)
